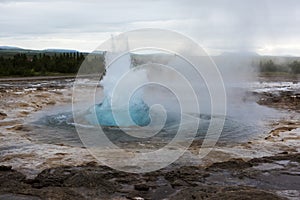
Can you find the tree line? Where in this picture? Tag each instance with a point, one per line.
(22, 64)
(270, 66)
(40, 64)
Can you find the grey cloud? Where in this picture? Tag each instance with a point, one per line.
(218, 24)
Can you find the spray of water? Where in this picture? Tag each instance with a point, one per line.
(134, 84)
(106, 111)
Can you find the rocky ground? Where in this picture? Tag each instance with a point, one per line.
(265, 168)
(289, 100)
(260, 178)
(18, 101)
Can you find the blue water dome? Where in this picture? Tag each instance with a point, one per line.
(138, 110)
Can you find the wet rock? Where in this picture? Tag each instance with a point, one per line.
(10, 178)
(24, 113)
(43, 95)
(141, 187)
(9, 122)
(177, 183)
(199, 192)
(5, 168)
(279, 130)
(280, 100)
(2, 115)
(89, 177)
(19, 127)
(245, 194)
(57, 92)
(216, 193)
(12, 196)
(51, 102)
(98, 182)
(186, 176)
(23, 104)
(231, 164)
(284, 153)
(292, 157)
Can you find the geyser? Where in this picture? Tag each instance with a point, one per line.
(106, 112)
(138, 110)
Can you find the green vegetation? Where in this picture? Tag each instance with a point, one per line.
(42, 63)
(295, 67)
(269, 66)
(22, 62)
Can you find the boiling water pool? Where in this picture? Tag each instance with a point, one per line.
(56, 127)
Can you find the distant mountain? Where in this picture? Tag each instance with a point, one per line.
(60, 50)
(10, 48)
(98, 52)
(240, 54)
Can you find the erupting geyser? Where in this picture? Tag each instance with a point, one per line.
(138, 109)
(106, 112)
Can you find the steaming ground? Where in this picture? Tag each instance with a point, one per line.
(37, 131)
(39, 142)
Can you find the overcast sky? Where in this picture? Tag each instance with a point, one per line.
(264, 26)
